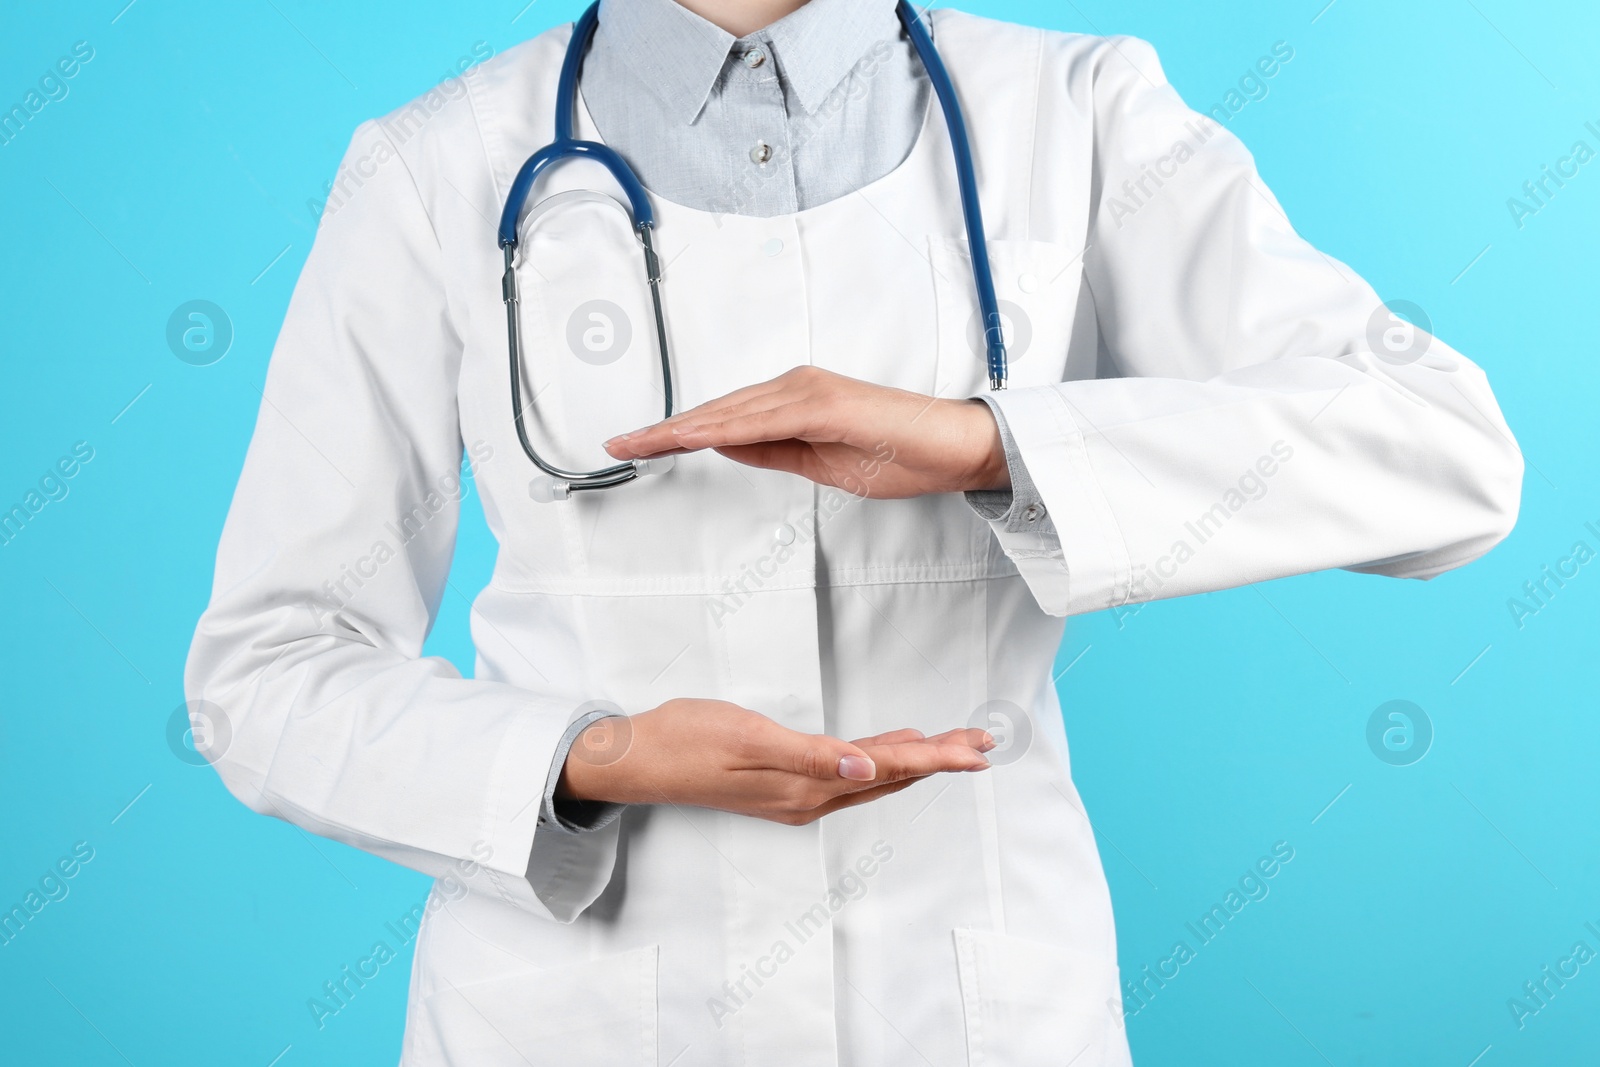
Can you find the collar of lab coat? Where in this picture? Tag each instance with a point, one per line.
(680, 55)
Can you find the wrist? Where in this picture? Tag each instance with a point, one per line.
(573, 783)
(591, 765)
(990, 471)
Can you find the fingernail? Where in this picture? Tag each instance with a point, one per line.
(857, 768)
(979, 766)
(988, 742)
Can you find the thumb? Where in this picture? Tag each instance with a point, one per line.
(831, 759)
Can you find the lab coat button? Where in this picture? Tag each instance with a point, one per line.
(754, 58)
(784, 534)
(1028, 283)
(772, 246)
(761, 152)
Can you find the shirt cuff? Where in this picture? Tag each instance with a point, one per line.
(566, 815)
(1019, 509)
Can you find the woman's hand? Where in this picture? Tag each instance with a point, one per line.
(712, 754)
(866, 439)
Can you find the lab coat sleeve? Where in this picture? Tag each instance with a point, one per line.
(1259, 413)
(307, 664)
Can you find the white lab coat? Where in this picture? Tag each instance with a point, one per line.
(1196, 396)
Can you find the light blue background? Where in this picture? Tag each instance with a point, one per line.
(180, 166)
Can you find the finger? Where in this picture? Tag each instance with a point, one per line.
(792, 384)
(795, 419)
(658, 455)
(663, 438)
(973, 737)
(816, 756)
(892, 769)
(748, 398)
(893, 737)
(917, 758)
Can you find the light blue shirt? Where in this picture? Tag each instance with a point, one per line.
(809, 109)
(815, 106)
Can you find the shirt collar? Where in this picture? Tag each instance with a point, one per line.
(680, 55)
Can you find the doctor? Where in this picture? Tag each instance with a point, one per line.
(704, 801)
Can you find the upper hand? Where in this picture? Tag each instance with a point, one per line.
(866, 439)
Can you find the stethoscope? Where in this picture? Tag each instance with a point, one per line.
(556, 483)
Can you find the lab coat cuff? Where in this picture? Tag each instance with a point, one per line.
(1081, 564)
(512, 814)
(563, 814)
(556, 875)
(1020, 508)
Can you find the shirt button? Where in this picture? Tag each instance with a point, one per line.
(1031, 513)
(761, 152)
(784, 534)
(754, 57)
(1028, 283)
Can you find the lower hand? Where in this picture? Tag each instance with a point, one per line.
(866, 439)
(712, 754)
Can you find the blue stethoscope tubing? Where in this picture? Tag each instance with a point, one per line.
(967, 181)
(558, 482)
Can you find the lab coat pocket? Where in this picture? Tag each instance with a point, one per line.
(601, 1011)
(1027, 1003)
(1037, 285)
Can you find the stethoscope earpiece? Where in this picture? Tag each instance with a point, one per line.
(545, 489)
(658, 465)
